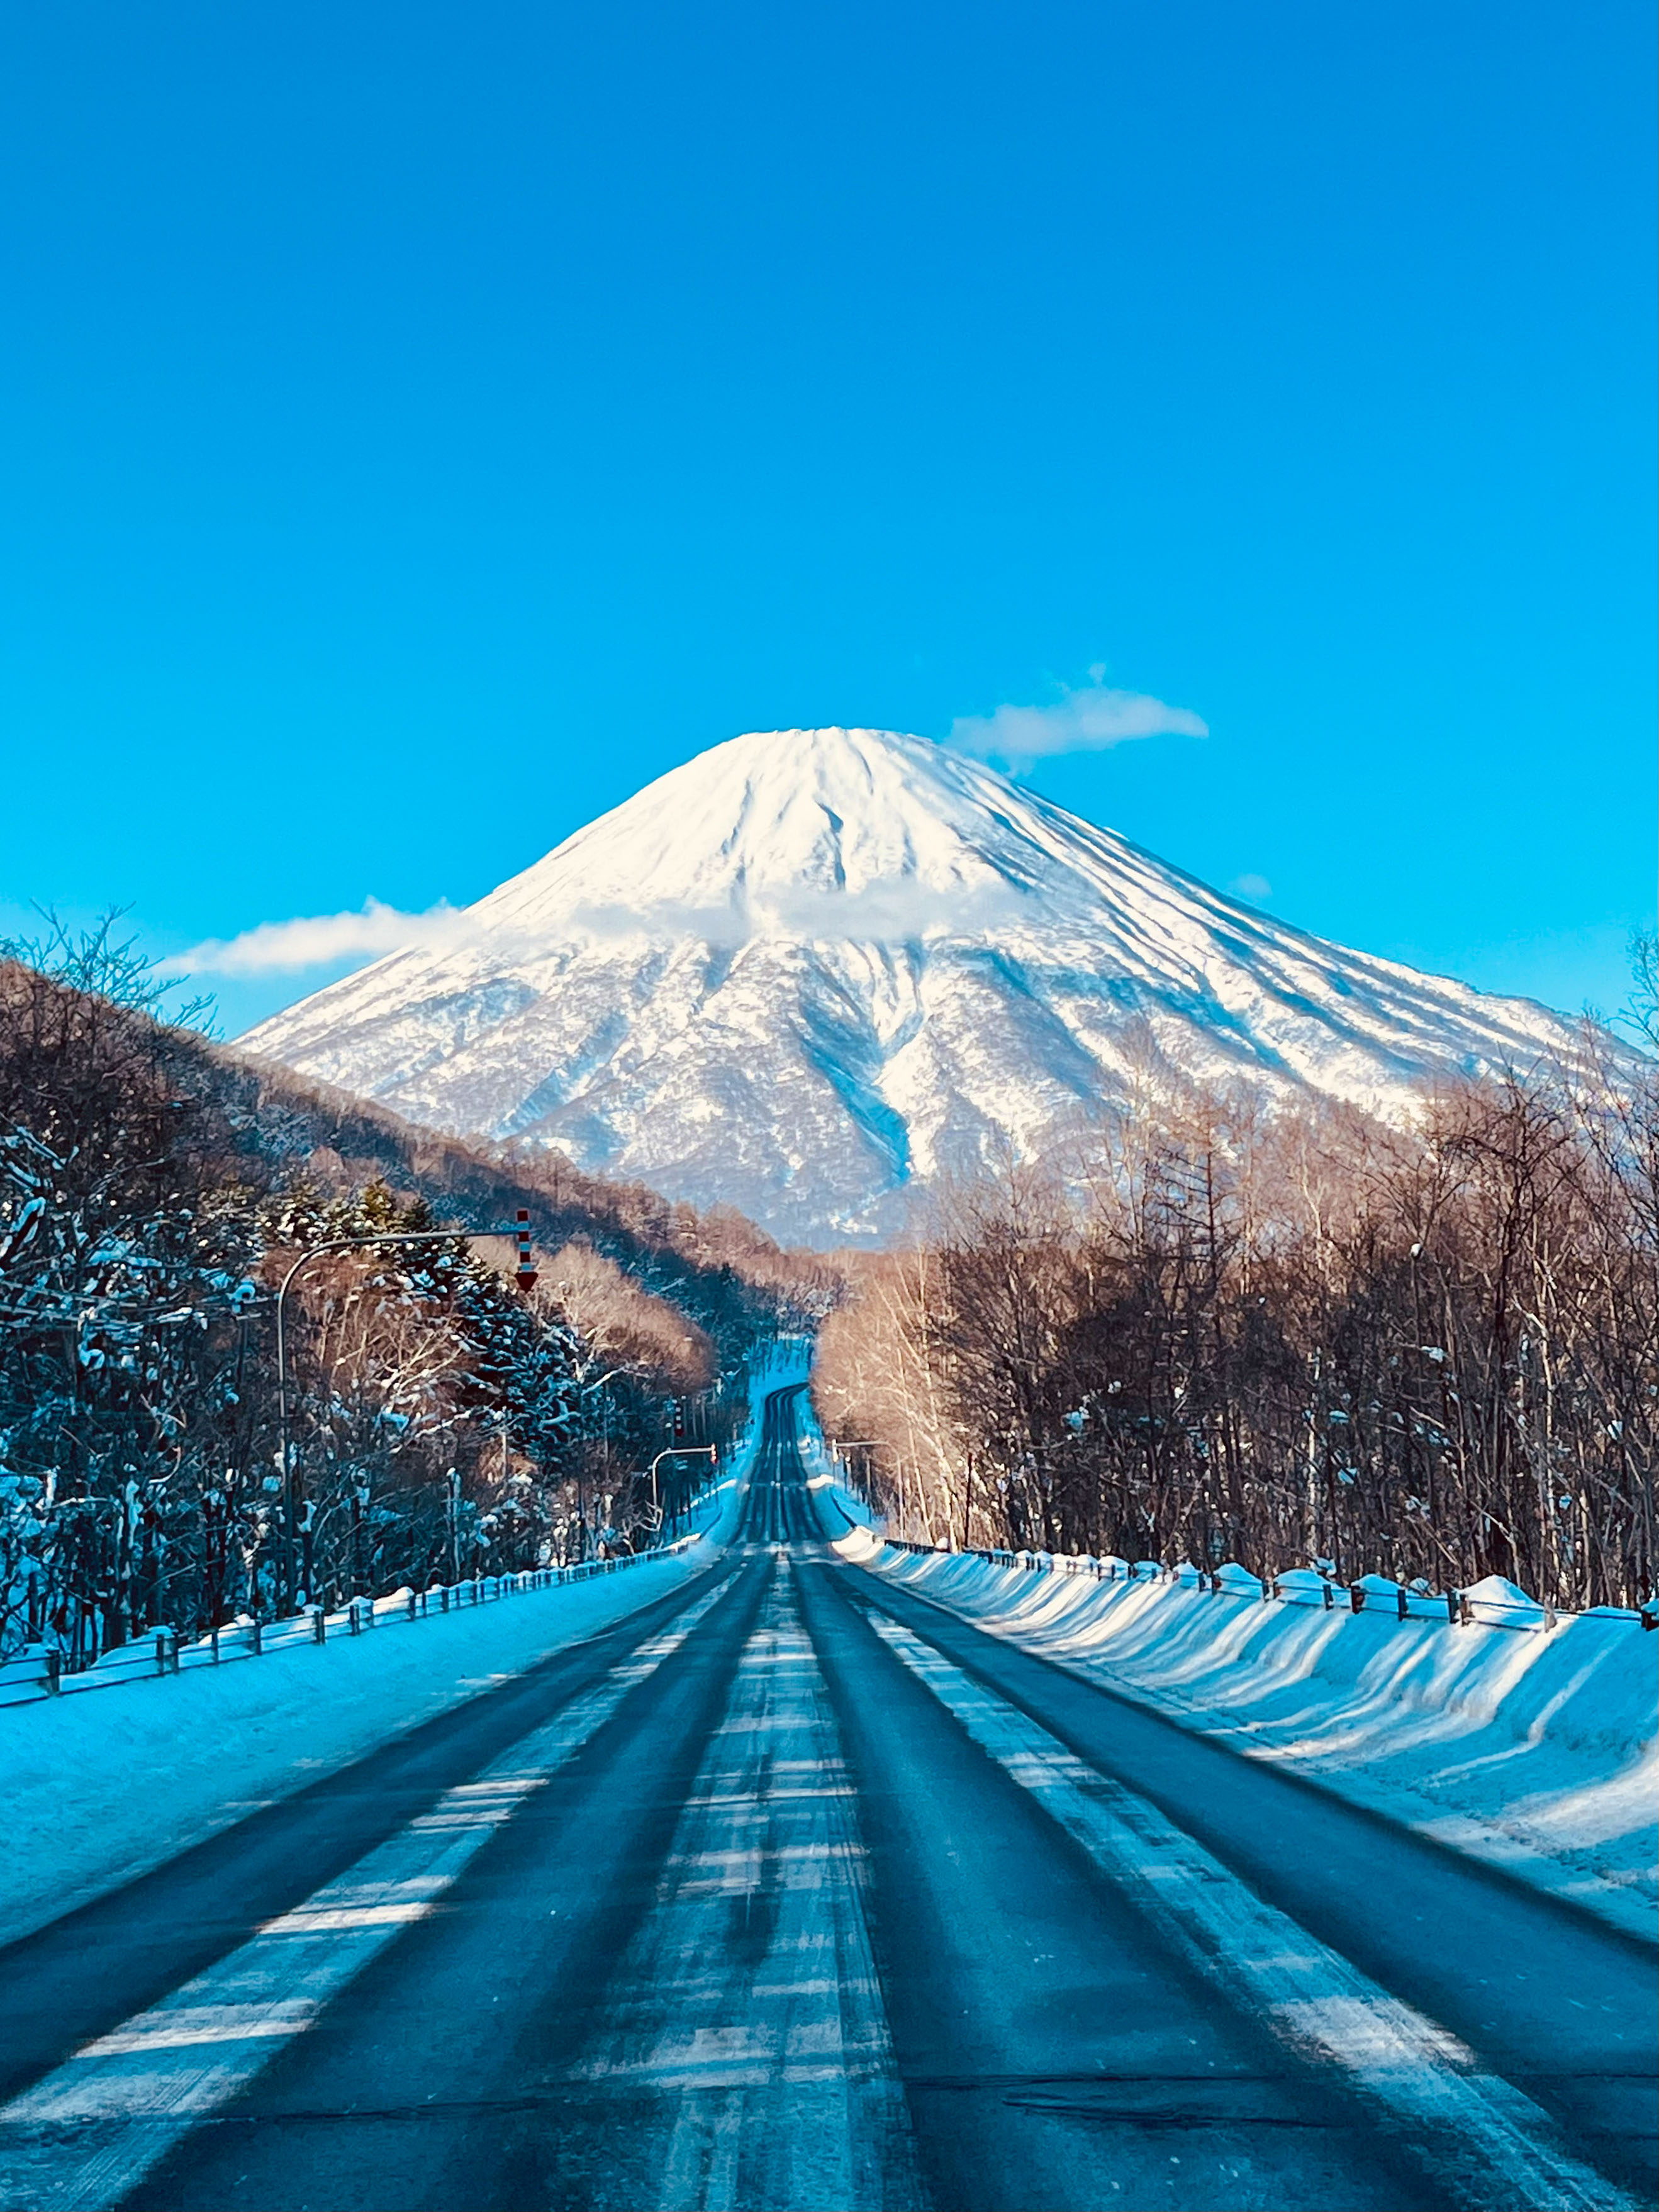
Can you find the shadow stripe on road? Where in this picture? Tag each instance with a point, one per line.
(87, 2133)
(1476, 2133)
(84, 1972)
(747, 2019)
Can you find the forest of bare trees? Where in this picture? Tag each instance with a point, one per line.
(1305, 1340)
(440, 1424)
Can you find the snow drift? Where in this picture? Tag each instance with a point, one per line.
(1534, 1751)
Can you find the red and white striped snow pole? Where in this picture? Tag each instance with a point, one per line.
(526, 1277)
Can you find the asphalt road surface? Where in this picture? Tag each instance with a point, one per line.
(794, 1891)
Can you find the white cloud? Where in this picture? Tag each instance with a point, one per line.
(316, 940)
(881, 912)
(891, 909)
(1087, 719)
(885, 911)
(1252, 887)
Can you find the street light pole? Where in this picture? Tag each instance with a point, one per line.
(525, 1278)
(711, 1452)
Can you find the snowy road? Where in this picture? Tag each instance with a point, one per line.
(793, 1891)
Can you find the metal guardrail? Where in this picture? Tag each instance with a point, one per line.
(1453, 1608)
(37, 1671)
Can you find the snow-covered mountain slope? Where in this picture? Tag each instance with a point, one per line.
(811, 970)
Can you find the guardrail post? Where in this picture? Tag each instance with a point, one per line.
(1404, 1604)
(320, 1632)
(1356, 1598)
(1330, 1598)
(54, 1667)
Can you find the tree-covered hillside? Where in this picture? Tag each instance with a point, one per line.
(155, 1193)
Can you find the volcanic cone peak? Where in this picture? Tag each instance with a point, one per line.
(810, 971)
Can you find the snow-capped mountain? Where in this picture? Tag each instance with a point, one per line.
(811, 970)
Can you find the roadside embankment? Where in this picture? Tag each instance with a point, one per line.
(101, 1785)
(1531, 1748)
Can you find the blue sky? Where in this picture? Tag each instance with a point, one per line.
(421, 426)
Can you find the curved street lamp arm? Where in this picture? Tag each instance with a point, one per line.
(709, 1452)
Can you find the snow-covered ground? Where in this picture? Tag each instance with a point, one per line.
(843, 1507)
(1530, 1750)
(99, 1788)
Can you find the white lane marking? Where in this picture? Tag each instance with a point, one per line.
(83, 2135)
(309, 1922)
(219, 2023)
(1495, 2148)
(744, 1856)
(747, 2003)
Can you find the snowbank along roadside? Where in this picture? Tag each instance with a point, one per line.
(846, 1509)
(1531, 1751)
(99, 1788)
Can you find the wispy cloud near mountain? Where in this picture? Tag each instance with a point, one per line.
(895, 910)
(316, 940)
(1087, 719)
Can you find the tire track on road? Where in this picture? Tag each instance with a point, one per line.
(81, 2138)
(1492, 2147)
(746, 2027)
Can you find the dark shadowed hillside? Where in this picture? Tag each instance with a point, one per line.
(156, 1190)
